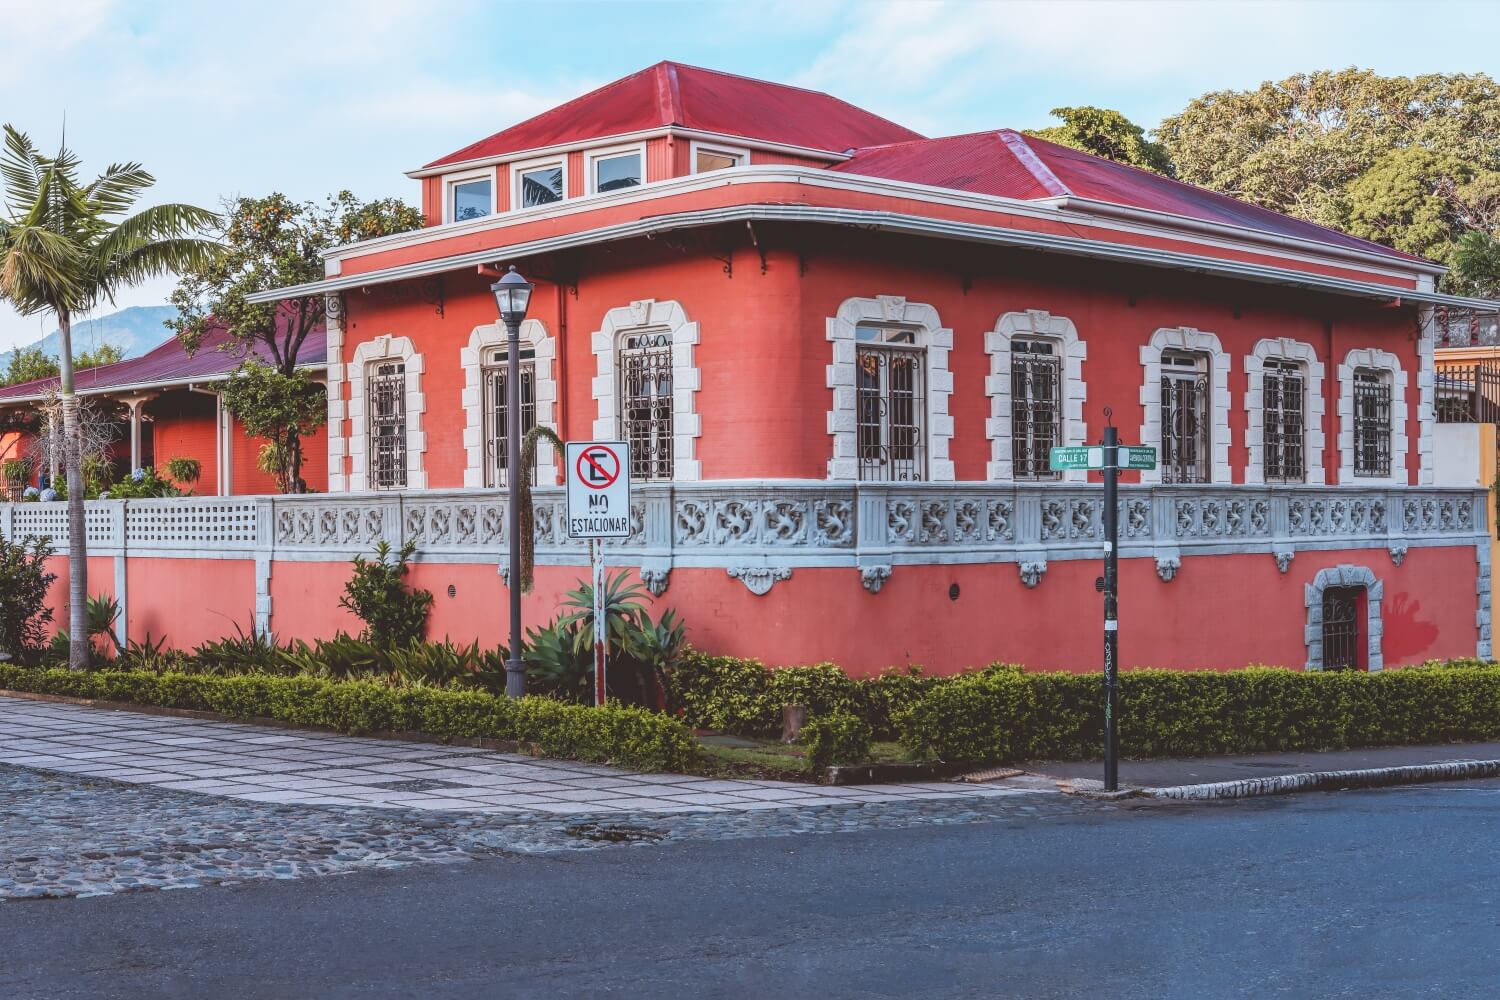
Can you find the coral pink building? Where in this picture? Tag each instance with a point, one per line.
(841, 351)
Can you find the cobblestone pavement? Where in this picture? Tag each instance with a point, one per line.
(94, 802)
(65, 835)
(261, 764)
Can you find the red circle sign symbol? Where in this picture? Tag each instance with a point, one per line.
(598, 467)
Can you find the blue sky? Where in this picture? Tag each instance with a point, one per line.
(309, 97)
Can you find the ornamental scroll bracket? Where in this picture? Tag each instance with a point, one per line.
(1167, 567)
(1032, 572)
(656, 578)
(874, 577)
(759, 579)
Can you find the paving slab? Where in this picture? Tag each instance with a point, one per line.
(256, 764)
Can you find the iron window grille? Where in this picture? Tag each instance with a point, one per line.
(646, 404)
(1372, 423)
(1283, 421)
(891, 406)
(386, 405)
(1035, 401)
(1185, 439)
(496, 409)
(1341, 607)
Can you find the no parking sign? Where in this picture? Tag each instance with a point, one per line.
(598, 489)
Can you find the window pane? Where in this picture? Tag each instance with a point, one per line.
(471, 200)
(715, 161)
(616, 172)
(541, 186)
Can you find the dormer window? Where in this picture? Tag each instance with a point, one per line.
(709, 158)
(470, 197)
(540, 183)
(615, 170)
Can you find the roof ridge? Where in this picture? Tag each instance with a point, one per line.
(1201, 189)
(1017, 143)
(674, 110)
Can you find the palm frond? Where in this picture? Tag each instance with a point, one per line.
(21, 169)
(115, 190)
(150, 260)
(39, 269)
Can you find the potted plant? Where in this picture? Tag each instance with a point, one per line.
(16, 472)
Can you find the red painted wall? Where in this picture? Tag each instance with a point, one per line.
(184, 426)
(189, 601)
(1257, 613)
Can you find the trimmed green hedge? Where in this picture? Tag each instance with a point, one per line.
(630, 737)
(1004, 716)
(744, 697)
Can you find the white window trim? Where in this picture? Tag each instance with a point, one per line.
(933, 337)
(1187, 338)
(1037, 323)
(337, 443)
(593, 156)
(714, 147)
(1345, 575)
(1313, 439)
(525, 166)
(450, 181)
(483, 340)
(642, 316)
(1426, 401)
(1373, 358)
(386, 348)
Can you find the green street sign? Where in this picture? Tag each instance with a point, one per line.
(1133, 456)
(1076, 458)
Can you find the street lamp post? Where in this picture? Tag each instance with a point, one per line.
(512, 295)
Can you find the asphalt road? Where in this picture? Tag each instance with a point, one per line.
(1390, 893)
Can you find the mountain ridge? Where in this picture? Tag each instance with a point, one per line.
(135, 330)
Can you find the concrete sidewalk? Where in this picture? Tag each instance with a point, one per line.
(261, 764)
(1150, 774)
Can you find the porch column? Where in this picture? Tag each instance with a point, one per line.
(135, 403)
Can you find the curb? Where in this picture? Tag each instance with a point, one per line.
(1319, 781)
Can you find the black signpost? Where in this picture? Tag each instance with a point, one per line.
(1111, 604)
(1109, 457)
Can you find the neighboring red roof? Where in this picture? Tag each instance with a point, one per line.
(1013, 165)
(167, 364)
(673, 94)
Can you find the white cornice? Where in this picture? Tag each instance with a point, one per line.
(1159, 225)
(618, 138)
(889, 222)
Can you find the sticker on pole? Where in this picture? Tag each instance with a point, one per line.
(598, 489)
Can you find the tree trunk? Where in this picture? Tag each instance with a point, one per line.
(78, 555)
(293, 460)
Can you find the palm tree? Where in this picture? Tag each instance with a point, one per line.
(65, 247)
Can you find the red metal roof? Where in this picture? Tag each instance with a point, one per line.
(707, 100)
(1014, 165)
(168, 364)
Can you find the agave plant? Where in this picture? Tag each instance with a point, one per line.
(623, 610)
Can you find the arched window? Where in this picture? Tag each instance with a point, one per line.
(1372, 418)
(386, 442)
(646, 386)
(645, 394)
(1344, 628)
(1185, 396)
(1036, 394)
(496, 383)
(889, 417)
(1284, 406)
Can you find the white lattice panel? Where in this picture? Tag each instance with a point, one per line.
(191, 523)
(42, 519)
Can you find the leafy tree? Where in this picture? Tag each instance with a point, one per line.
(273, 242)
(1408, 161)
(66, 245)
(1109, 134)
(29, 364)
(104, 354)
(1476, 264)
(281, 408)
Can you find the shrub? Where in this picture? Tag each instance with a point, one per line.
(615, 734)
(24, 614)
(394, 614)
(143, 484)
(1002, 716)
(836, 738)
